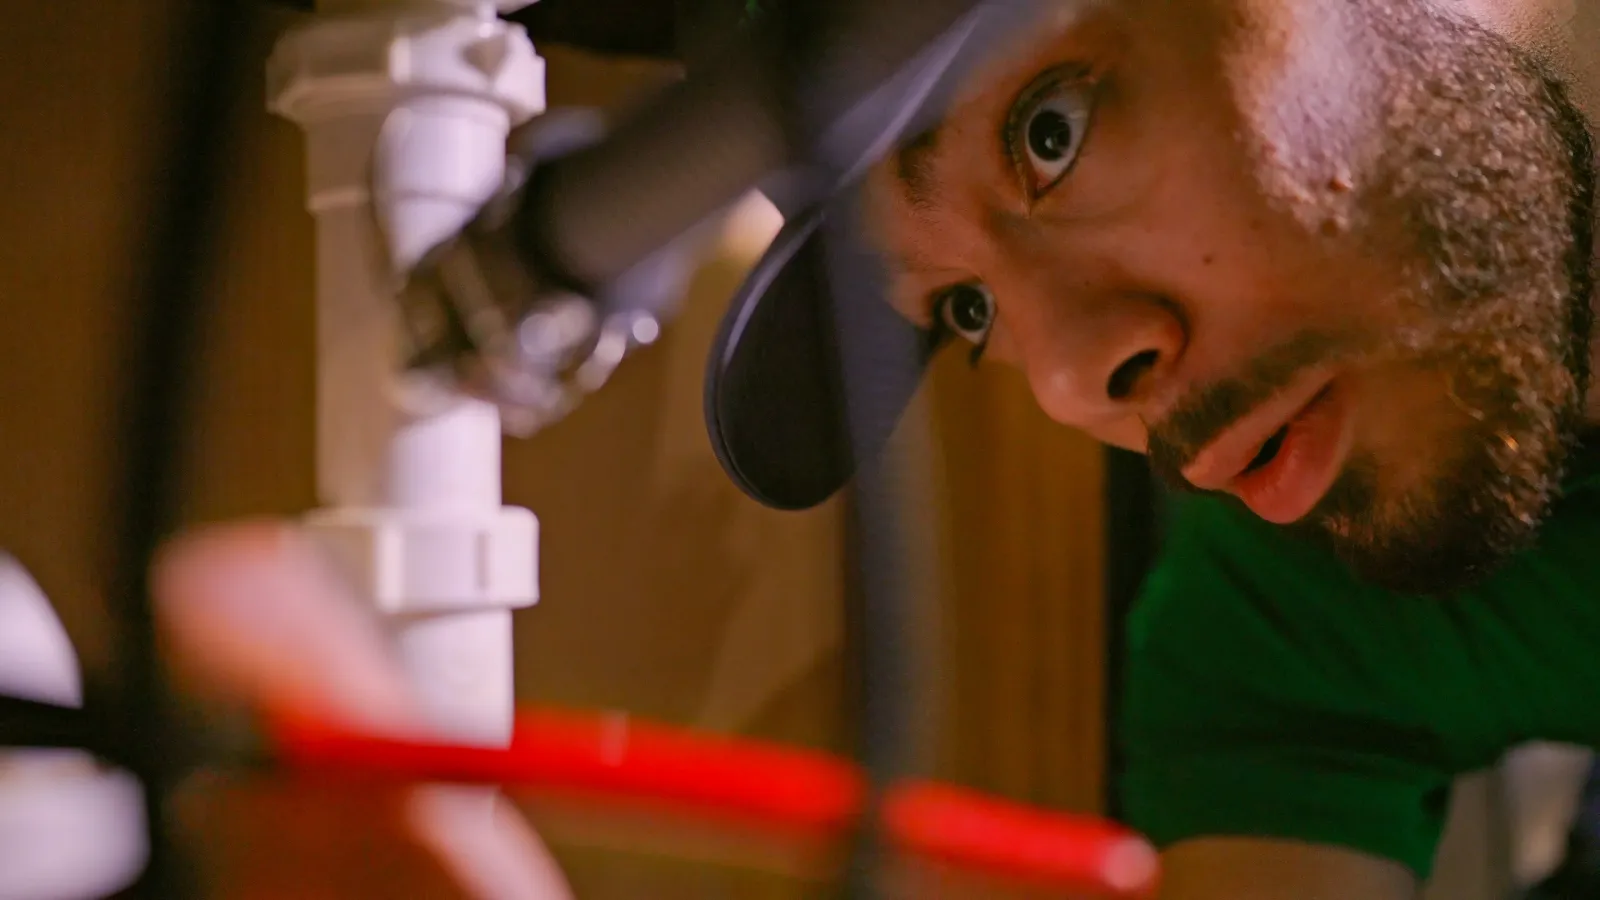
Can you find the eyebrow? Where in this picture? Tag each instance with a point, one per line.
(900, 262)
(914, 166)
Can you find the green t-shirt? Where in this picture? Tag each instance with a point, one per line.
(1270, 694)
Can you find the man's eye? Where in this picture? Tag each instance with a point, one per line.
(1047, 128)
(967, 310)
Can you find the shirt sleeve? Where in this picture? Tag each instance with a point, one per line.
(1253, 708)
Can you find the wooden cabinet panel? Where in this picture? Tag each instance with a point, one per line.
(1024, 556)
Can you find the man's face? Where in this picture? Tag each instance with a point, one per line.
(1330, 258)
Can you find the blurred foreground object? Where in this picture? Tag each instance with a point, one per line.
(68, 827)
(617, 761)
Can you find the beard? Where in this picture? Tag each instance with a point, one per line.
(1490, 168)
(1483, 181)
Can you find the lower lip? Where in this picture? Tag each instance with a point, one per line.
(1288, 488)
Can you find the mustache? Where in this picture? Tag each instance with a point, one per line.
(1202, 415)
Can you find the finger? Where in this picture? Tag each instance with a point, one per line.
(485, 844)
(253, 615)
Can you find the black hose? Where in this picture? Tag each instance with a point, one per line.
(876, 373)
(211, 61)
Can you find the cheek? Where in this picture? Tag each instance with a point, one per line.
(1408, 424)
(1001, 346)
(1127, 434)
(1234, 287)
(1246, 278)
(1306, 106)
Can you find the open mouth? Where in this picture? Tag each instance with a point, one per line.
(1268, 451)
(1295, 467)
(1306, 428)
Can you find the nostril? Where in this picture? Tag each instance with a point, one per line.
(1126, 378)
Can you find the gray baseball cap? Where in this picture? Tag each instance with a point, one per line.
(811, 310)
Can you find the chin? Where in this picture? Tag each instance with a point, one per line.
(1440, 536)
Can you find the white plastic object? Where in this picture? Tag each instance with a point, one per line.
(37, 661)
(407, 106)
(69, 829)
(1543, 787)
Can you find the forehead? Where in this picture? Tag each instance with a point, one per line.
(1261, 37)
(914, 184)
(1084, 27)
(1098, 33)
(1564, 35)
(928, 198)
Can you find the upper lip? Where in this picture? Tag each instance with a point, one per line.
(1221, 461)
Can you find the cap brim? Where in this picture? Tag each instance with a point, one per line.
(775, 401)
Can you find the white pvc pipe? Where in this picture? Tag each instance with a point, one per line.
(69, 829)
(413, 502)
(407, 107)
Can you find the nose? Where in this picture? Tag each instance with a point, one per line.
(1093, 362)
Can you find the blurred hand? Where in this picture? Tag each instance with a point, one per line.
(252, 620)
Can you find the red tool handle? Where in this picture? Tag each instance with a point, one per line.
(756, 783)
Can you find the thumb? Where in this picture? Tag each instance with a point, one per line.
(252, 615)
